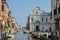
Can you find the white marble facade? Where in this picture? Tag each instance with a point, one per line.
(39, 20)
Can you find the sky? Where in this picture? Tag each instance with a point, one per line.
(20, 8)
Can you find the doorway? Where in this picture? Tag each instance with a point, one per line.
(37, 28)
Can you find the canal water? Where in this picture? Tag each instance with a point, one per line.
(21, 36)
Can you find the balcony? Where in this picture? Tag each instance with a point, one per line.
(57, 16)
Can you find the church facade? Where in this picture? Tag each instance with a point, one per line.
(38, 20)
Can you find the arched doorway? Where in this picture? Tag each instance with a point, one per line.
(37, 28)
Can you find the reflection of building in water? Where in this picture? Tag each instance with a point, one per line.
(38, 20)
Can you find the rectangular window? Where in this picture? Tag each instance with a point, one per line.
(2, 7)
(59, 4)
(55, 11)
(57, 25)
(51, 15)
(46, 19)
(32, 19)
(59, 9)
(42, 19)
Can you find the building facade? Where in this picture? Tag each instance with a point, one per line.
(38, 20)
(55, 7)
(3, 12)
(3, 17)
(7, 22)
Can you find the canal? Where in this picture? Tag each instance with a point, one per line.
(21, 36)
